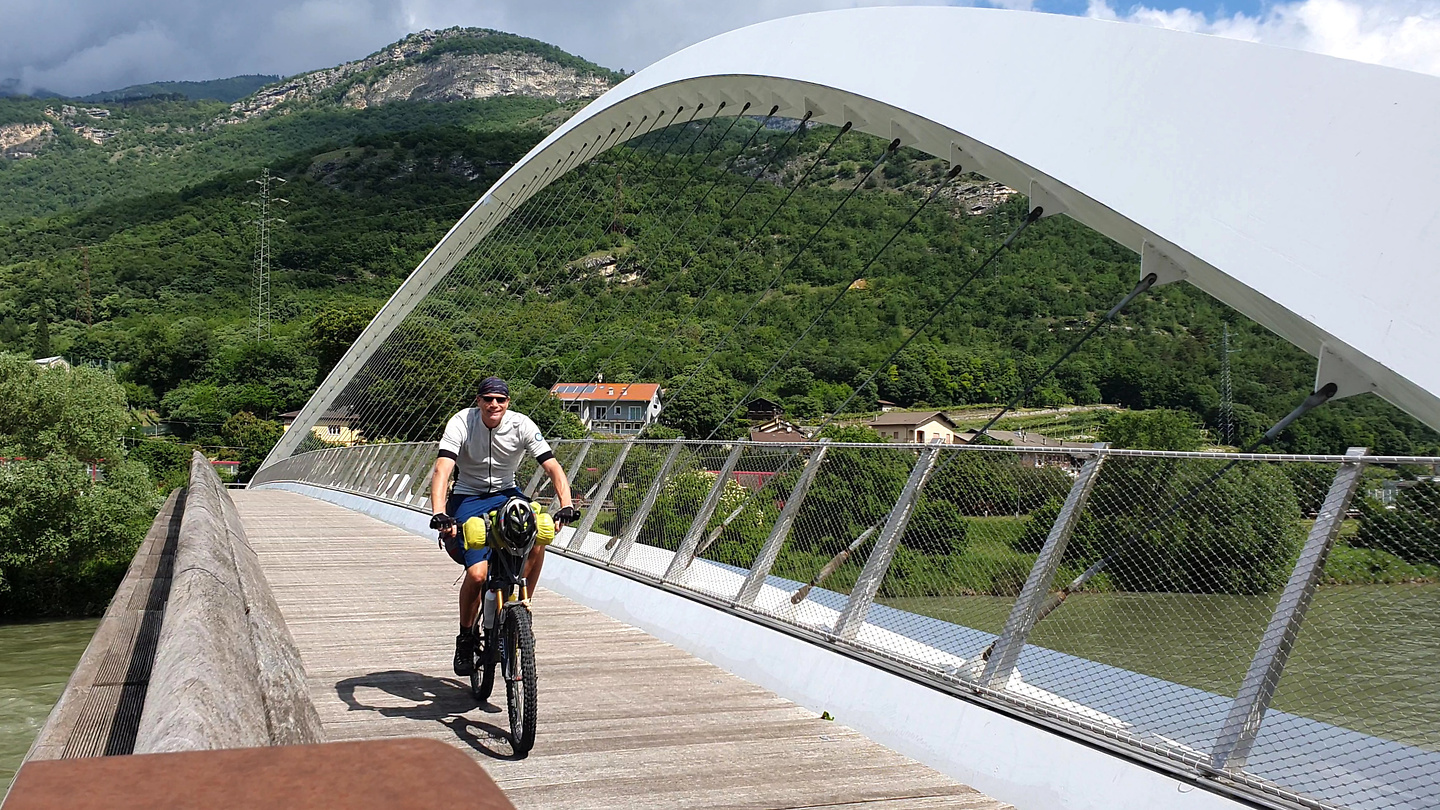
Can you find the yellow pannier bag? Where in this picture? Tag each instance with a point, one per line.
(544, 529)
(474, 529)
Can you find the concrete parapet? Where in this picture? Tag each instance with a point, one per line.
(99, 711)
(226, 672)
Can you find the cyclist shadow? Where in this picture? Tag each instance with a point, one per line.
(425, 697)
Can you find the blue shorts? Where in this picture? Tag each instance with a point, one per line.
(464, 507)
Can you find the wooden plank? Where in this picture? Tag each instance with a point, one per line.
(625, 719)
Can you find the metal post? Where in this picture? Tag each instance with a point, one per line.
(1247, 713)
(1022, 615)
(582, 529)
(534, 481)
(686, 553)
(410, 472)
(750, 588)
(354, 472)
(384, 475)
(374, 476)
(422, 468)
(862, 596)
(574, 470)
(626, 539)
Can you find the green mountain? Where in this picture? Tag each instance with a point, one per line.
(135, 249)
(57, 155)
(129, 236)
(226, 90)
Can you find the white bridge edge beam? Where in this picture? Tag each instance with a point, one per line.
(1209, 154)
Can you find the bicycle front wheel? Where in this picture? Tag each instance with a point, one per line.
(482, 679)
(520, 677)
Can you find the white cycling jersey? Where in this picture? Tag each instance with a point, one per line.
(485, 459)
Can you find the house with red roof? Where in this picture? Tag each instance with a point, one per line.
(620, 409)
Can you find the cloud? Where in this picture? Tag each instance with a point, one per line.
(1397, 33)
(631, 34)
(82, 46)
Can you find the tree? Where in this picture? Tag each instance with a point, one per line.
(332, 332)
(73, 508)
(1152, 430)
(194, 410)
(795, 382)
(697, 407)
(167, 461)
(165, 354)
(1410, 530)
(42, 333)
(426, 381)
(256, 437)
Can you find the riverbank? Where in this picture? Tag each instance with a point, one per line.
(36, 659)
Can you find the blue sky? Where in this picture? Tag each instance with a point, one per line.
(1210, 9)
(83, 46)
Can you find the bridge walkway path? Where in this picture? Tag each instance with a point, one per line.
(625, 719)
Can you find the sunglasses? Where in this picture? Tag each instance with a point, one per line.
(496, 400)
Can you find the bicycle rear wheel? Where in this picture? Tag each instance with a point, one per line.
(520, 677)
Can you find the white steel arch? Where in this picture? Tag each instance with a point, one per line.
(1299, 189)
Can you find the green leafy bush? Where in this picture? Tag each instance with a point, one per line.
(73, 507)
(1409, 530)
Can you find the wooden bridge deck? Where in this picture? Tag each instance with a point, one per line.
(625, 719)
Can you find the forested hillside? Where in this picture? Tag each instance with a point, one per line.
(58, 155)
(130, 234)
(168, 280)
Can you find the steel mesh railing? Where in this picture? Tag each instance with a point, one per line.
(1273, 630)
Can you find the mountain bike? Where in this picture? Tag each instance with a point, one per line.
(504, 637)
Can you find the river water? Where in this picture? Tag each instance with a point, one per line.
(1367, 658)
(36, 660)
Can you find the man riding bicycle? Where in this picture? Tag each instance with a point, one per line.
(483, 446)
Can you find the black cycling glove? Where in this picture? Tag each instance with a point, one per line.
(566, 514)
(441, 521)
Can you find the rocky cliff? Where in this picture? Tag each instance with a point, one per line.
(23, 140)
(449, 65)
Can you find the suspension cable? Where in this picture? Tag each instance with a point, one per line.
(825, 310)
(719, 177)
(498, 241)
(472, 291)
(685, 185)
(595, 301)
(461, 276)
(759, 229)
(889, 150)
(713, 230)
(555, 205)
(1032, 216)
(1145, 284)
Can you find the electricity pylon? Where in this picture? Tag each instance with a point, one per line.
(1227, 395)
(260, 280)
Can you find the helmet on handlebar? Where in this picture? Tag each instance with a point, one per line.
(515, 526)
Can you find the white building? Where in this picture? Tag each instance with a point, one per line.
(622, 409)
